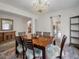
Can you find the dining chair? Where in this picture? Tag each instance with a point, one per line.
(62, 46)
(28, 45)
(53, 51)
(38, 33)
(46, 34)
(21, 33)
(19, 45)
(30, 50)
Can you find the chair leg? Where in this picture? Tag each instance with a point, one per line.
(54, 42)
(59, 57)
(33, 54)
(26, 57)
(17, 55)
(34, 58)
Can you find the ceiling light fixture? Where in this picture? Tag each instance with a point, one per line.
(40, 6)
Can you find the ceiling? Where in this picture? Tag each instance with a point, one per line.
(54, 5)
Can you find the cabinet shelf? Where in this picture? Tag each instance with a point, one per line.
(74, 30)
(74, 37)
(74, 27)
(75, 45)
(74, 24)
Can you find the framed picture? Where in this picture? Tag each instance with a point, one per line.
(6, 24)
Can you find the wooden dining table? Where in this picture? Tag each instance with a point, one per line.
(41, 43)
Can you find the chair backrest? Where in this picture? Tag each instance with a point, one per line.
(46, 34)
(39, 33)
(63, 41)
(28, 43)
(18, 40)
(62, 44)
(21, 33)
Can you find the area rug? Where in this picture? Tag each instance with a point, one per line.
(7, 45)
(8, 54)
(70, 53)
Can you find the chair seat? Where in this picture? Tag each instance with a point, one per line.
(38, 52)
(29, 53)
(52, 51)
(19, 48)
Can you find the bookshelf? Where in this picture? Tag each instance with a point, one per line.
(74, 31)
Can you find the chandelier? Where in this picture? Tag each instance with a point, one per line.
(40, 6)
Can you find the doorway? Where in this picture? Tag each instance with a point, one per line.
(29, 26)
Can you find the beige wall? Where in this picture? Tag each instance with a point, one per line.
(16, 11)
(19, 21)
(44, 22)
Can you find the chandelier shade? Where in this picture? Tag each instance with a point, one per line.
(40, 6)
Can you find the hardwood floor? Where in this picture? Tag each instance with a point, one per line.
(7, 45)
(3, 42)
(70, 53)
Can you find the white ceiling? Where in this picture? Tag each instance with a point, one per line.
(54, 5)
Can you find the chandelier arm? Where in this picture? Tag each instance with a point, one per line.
(40, 6)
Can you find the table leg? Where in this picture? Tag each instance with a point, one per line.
(43, 54)
(23, 53)
(23, 50)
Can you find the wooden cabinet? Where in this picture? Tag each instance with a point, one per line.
(7, 35)
(1, 36)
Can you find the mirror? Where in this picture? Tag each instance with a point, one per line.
(6, 24)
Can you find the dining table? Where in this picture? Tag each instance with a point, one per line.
(41, 43)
